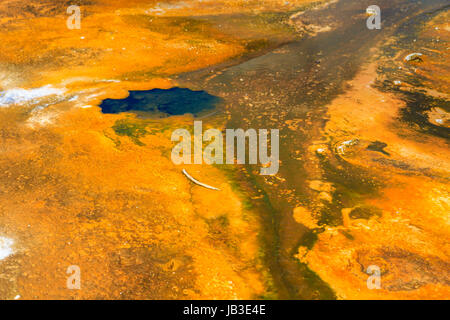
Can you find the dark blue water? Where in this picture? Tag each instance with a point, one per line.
(174, 101)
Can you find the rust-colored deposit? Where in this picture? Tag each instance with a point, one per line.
(74, 192)
(402, 226)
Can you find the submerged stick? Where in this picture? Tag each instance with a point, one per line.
(198, 182)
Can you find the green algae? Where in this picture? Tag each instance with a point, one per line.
(134, 129)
